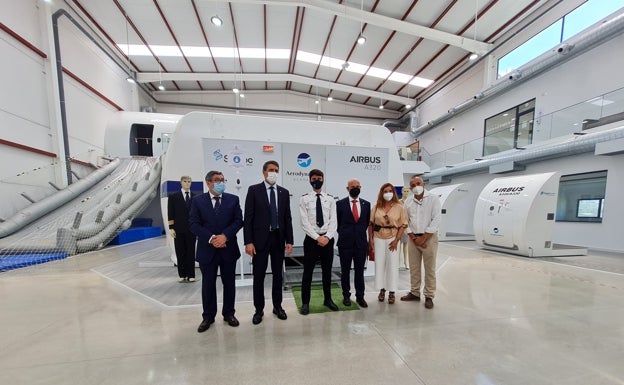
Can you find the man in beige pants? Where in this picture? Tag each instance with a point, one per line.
(423, 213)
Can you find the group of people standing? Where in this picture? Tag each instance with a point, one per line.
(215, 218)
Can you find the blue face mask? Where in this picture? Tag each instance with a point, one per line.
(317, 184)
(219, 187)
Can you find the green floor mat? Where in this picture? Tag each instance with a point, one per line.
(316, 299)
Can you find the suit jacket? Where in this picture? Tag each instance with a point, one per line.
(352, 234)
(258, 217)
(205, 223)
(177, 211)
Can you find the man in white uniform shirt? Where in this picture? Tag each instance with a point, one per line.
(423, 213)
(318, 220)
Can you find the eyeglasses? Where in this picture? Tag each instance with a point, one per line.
(218, 180)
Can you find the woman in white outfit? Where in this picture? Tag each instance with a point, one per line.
(388, 221)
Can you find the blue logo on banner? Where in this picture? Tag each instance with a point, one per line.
(304, 160)
(495, 230)
(236, 159)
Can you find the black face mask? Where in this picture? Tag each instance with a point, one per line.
(317, 184)
(354, 192)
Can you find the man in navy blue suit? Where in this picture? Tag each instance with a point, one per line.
(268, 231)
(215, 218)
(353, 216)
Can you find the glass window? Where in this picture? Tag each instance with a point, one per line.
(569, 25)
(581, 197)
(531, 49)
(509, 129)
(588, 14)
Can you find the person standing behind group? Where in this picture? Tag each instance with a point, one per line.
(353, 215)
(318, 220)
(215, 218)
(424, 215)
(268, 231)
(388, 221)
(178, 207)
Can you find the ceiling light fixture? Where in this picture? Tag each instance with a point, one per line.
(216, 20)
(131, 76)
(241, 95)
(361, 39)
(474, 56)
(160, 85)
(235, 90)
(345, 65)
(381, 107)
(329, 98)
(408, 106)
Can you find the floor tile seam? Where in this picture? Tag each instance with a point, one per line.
(120, 284)
(397, 353)
(527, 260)
(124, 259)
(583, 267)
(530, 266)
(478, 322)
(82, 361)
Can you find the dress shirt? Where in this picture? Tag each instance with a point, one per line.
(268, 192)
(423, 216)
(307, 210)
(213, 200)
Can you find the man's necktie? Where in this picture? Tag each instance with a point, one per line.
(319, 211)
(273, 208)
(354, 209)
(187, 200)
(217, 205)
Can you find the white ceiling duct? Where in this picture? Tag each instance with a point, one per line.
(573, 144)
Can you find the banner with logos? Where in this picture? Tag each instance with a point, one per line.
(368, 165)
(241, 163)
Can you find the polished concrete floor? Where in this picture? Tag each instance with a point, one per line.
(118, 316)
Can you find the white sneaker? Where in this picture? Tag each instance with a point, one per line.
(191, 279)
(181, 280)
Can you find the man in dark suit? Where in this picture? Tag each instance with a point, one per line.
(268, 231)
(215, 218)
(353, 216)
(178, 207)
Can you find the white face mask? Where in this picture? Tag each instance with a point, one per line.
(417, 190)
(271, 177)
(388, 196)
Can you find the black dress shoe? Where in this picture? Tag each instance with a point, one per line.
(361, 302)
(346, 301)
(257, 318)
(331, 305)
(280, 313)
(305, 309)
(204, 325)
(231, 320)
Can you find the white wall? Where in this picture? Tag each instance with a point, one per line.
(601, 236)
(29, 107)
(589, 75)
